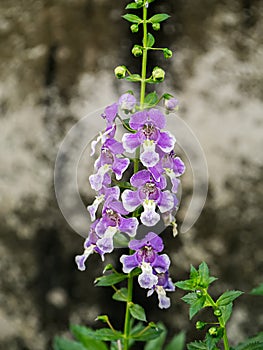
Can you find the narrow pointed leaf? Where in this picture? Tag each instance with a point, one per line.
(185, 285)
(133, 78)
(196, 306)
(178, 342)
(226, 312)
(121, 295)
(133, 6)
(228, 297)
(85, 336)
(204, 274)
(110, 280)
(132, 18)
(150, 40)
(66, 344)
(158, 18)
(258, 290)
(157, 344)
(138, 312)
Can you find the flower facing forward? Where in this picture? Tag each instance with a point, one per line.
(149, 193)
(148, 124)
(146, 257)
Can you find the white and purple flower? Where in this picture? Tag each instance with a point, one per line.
(149, 194)
(148, 124)
(163, 285)
(146, 257)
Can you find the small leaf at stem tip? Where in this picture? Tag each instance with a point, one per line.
(186, 285)
(132, 18)
(108, 267)
(158, 18)
(150, 40)
(134, 5)
(227, 297)
(138, 312)
(103, 318)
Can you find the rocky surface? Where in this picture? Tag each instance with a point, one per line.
(56, 60)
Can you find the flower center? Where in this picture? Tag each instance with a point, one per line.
(149, 131)
(113, 216)
(146, 254)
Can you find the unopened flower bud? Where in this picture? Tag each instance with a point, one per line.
(200, 325)
(212, 331)
(120, 72)
(199, 293)
(171, 104)
(134, 28)
(137, 51)
(218, 312)
(167, 53)
(158, 74)
(156, 26)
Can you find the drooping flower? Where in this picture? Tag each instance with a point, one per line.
(110, 113)
(163, 285)
(127, 102)
(149, 194)
(147, 258)
(148, 124)
(171, 104)
(90, 246)
(109, 160)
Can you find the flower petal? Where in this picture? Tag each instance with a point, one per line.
(129, 226)
(119, 166)
(147, 279)
(129, 262)
(161, 263)
(166, 141)
(140, 178)
(157, 118)
(149, 157)
(138, 119)
(164, 301)
(149, 217)
(105, 244)
(166, 202)
(150, 240)
(130, 200)
(94, 206)
(131, 142)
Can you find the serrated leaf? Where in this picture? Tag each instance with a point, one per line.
(138, 312)
(228, 297)
(226, 312)
(178, 342)
(132, 18)
(133, 78)
(66, 344)
(212, 279)
(190, 298)
(85, 336)
(211, 341)
(204, 274)
(258, 290)
(193, 272)
(185, 285)
(252, 343)
(149, 334)
(160, 17)
(150, 40)
(121, 295)
(196, 306)
(157, 344)
(197, 345)
(110, 280)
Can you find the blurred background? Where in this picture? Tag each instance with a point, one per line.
(56, 63)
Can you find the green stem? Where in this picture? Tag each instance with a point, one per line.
(144, 57)
(127, 314)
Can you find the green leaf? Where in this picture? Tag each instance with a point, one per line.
(150, 40)
(178, 342)
(158, 18)
(132, 18)
(107, 334)
(121, 295)
(196, 306)
(193, 272)
(138, 312)
(133, 78)
(110, 280)
(204, 274)
(133, 6)
(157, 344)
(228, 297)
(253, 343)
(212, 279)
(149, 334)
(226, 312)
(151, 99)
(186, 285)
(190, 298)
(197, 345)
(258, 290)
(85, 336)
(66, 344)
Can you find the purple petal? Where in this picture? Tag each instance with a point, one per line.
(147, 279)
(117, 206)
(127, 102)
(80, 261)
(129, 262)
(105, 244)
(111, 192)
(140, 178)
(157, 118)
(166, 201)
(166, 141)
(150, 240)
(149, 157)
(129, 226)
(114, 146)
(164, 301)
(161, 263)
(110, 113)
(149, 217)
(138, 119)
(131, 142)
(119, 166)
(96, 180)
(178, 166)
(94, 206)
(130, 200)
(156, 171)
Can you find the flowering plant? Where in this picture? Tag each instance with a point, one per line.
(137, 179)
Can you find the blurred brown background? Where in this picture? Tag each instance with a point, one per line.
(56, 63)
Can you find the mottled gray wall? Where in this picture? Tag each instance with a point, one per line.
(56, 61)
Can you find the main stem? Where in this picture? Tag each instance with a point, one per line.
(135, 170)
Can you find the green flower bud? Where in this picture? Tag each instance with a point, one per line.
(167, 53)
(199, 293)
(134, 28)
(200, 325)
(212, 331)
(120, 72)
(156, 26)
(158, 74)
(137, 50)
(217, 312)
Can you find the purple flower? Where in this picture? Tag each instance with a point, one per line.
(171, 104)
(127, 102)
(146, 257)
(148, 124)
(163, 285)
(172, 166)
(110, 113)
(90, 246)
(149, 194)
(107, 161)
(112, 221)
